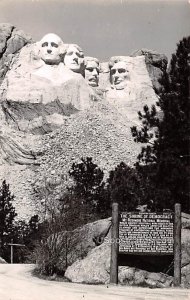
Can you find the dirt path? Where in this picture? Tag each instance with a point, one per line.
(17, 283)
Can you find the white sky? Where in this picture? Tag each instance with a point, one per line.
(104, 28)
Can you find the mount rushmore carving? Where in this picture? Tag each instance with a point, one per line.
(57, 105)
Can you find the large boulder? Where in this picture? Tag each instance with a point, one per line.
(95, 267)
(137, 277)
(2, 261)
(66, 247)
(185, 239)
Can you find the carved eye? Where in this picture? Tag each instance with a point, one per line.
(45, 44)
(69, 53)
(79, 54)
(121, 71)
(54, 45)
(90, 69)
(113, 71)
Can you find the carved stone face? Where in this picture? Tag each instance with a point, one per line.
(50, 49)
(74, 59)
(119, 75)
(92, 73)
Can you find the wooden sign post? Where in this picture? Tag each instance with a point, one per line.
(12, 253)
(114, 244)
(177, 245)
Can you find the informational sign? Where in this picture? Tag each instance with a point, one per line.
(146, 233)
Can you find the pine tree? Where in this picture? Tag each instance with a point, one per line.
(166, 158)
(124, 187)
(88, 181)
(7, 216)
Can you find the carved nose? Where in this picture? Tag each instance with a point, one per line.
(95, 73)
(49, 50)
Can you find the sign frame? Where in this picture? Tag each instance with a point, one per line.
(115, 244)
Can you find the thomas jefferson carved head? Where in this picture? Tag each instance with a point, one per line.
(92, 70)
(50, 49)
(119, 74)
(74, 58)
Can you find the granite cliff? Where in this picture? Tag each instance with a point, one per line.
(11, 42)
(50, 117)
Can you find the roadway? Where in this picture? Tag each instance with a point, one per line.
(17, 283)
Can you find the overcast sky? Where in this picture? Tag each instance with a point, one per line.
(103, 28)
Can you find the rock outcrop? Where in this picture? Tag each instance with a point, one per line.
(50, 118)
(101, 131)
(11, 42)
(36, 96)
(138, 91)
(156, 64)
(14, 151)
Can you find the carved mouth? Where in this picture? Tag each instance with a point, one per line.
(93, 83)
(117, 82)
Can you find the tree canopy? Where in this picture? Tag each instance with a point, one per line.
(166, 155)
